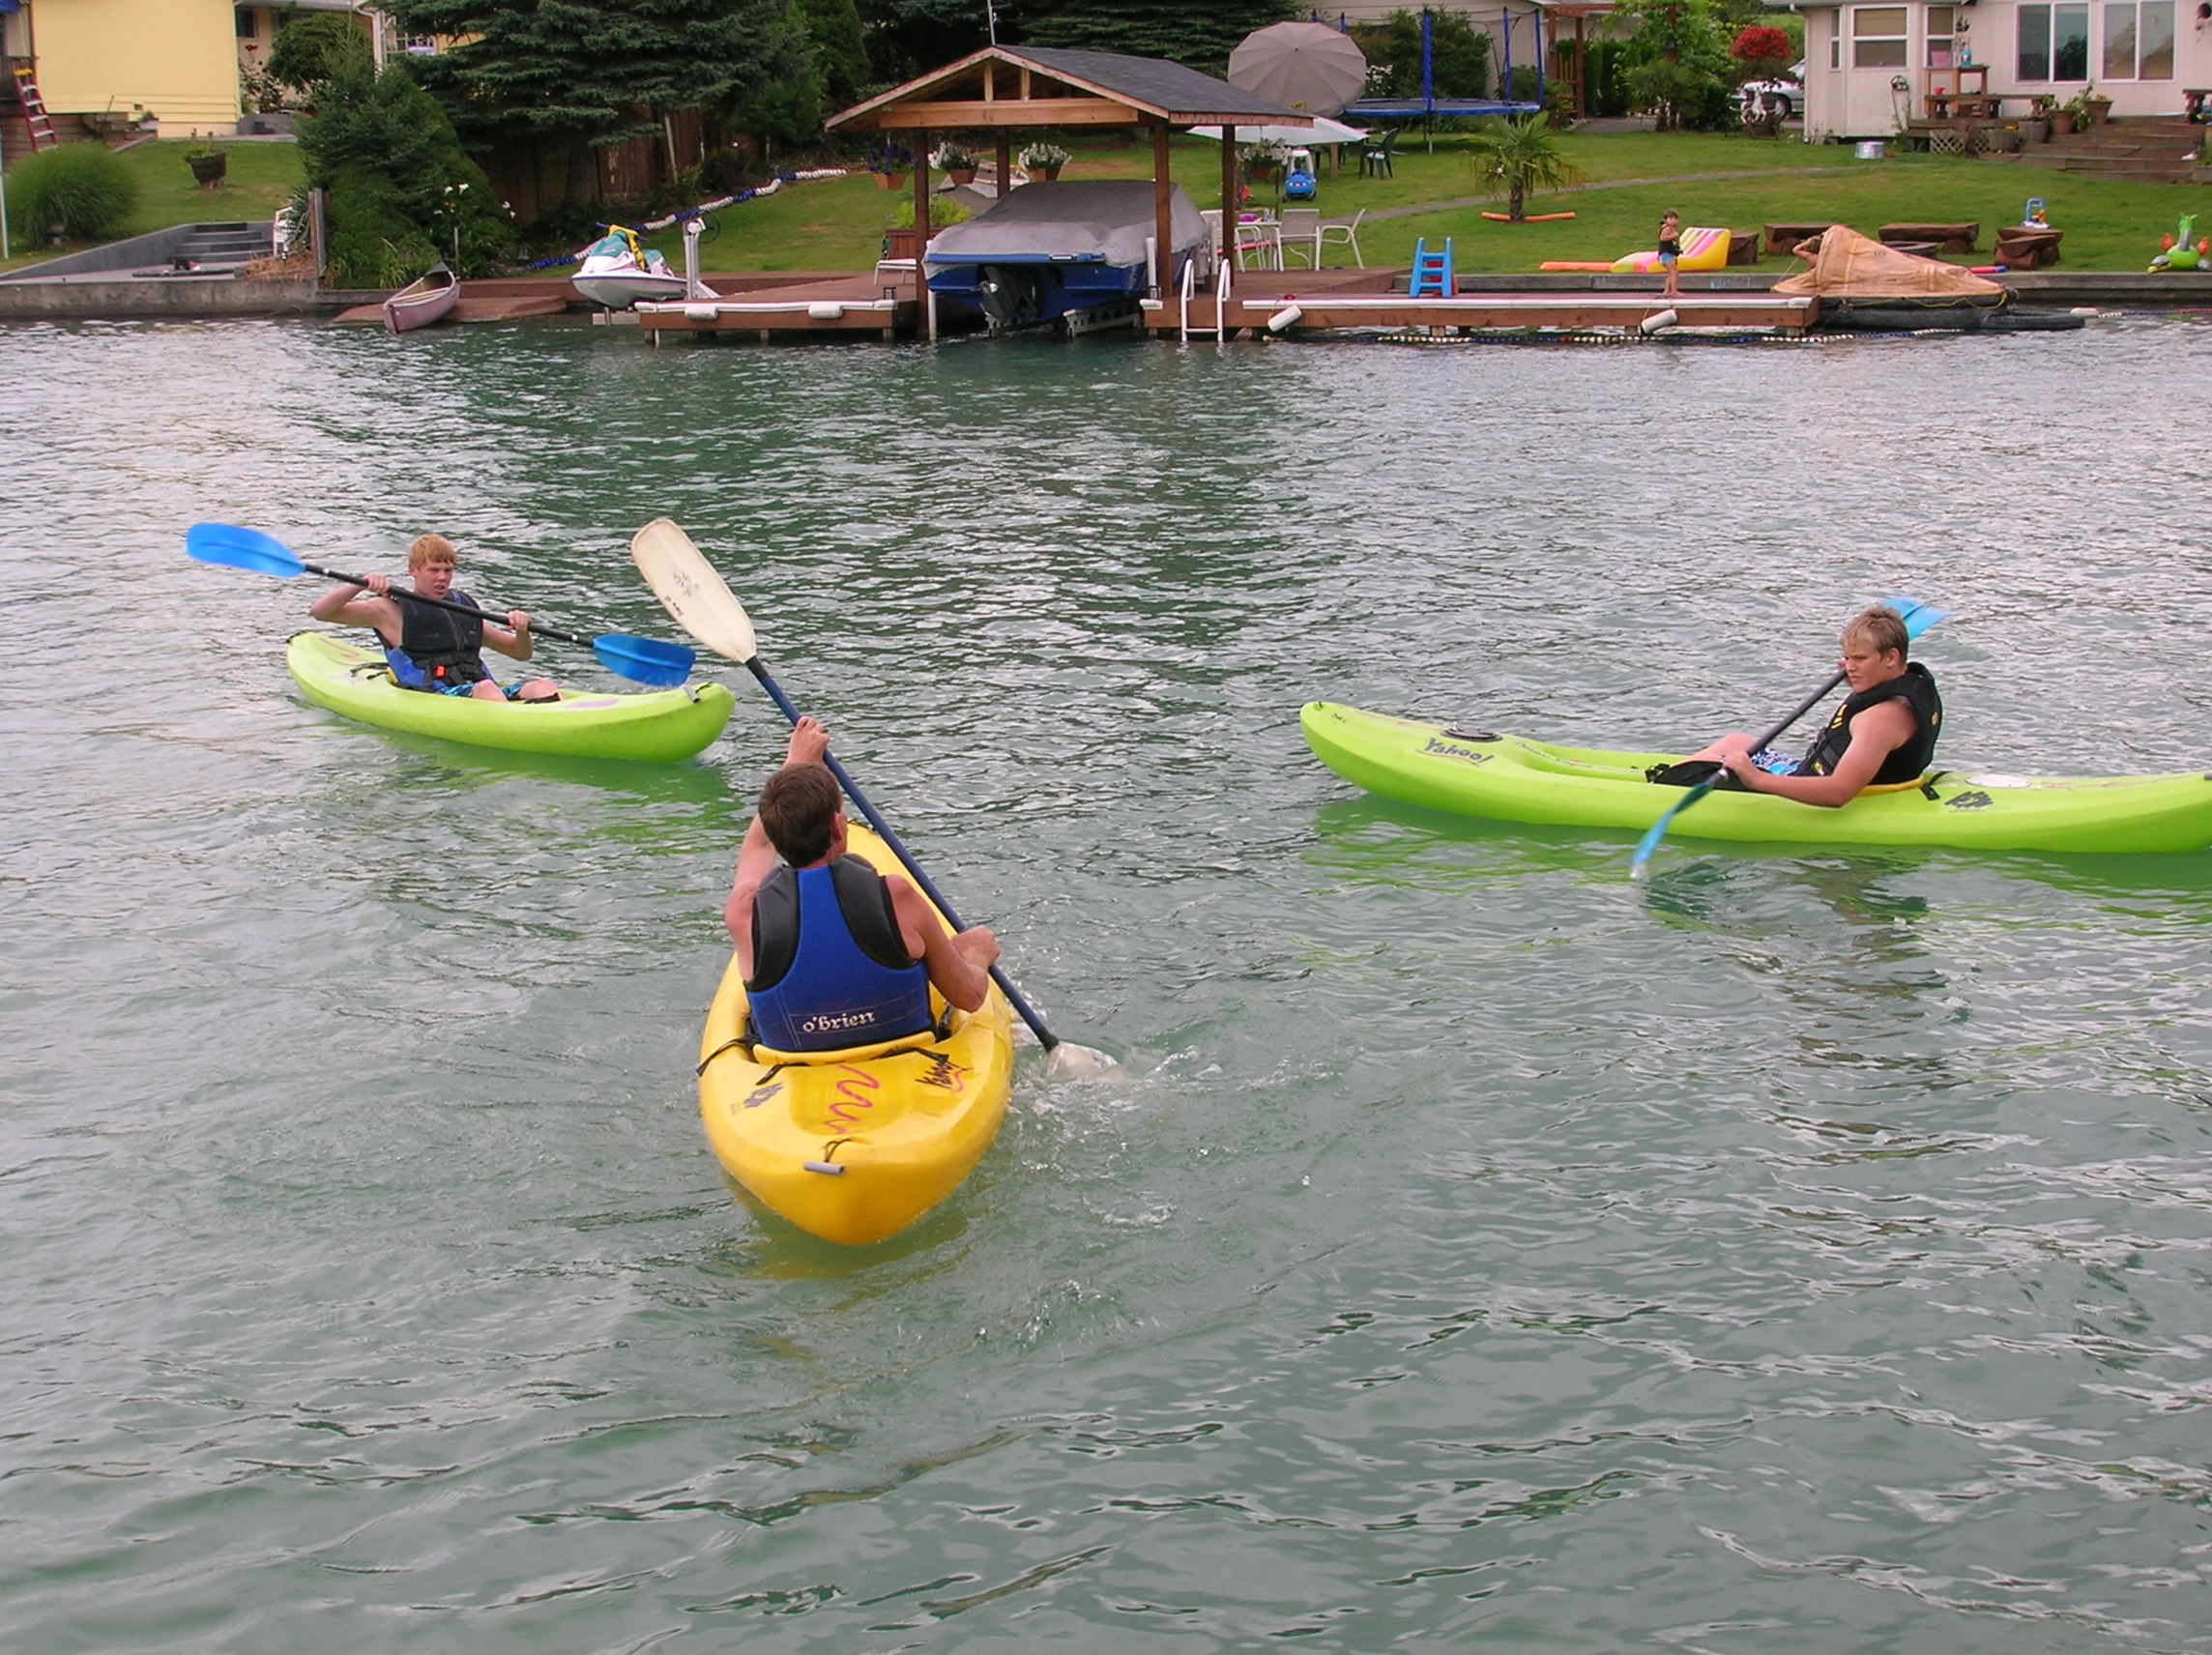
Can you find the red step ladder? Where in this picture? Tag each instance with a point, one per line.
(35, 111)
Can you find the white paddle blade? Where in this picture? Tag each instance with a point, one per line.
(1072, 1062)
(691, 590)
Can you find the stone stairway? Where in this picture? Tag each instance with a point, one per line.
(2146, 149)
(218, 247)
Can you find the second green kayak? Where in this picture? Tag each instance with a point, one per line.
(1510, 778)
(665, 724)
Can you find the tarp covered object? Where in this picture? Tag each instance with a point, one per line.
(1851, 267)
(1039, 224)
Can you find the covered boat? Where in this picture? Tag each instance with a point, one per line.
(1866, 287)
(1046, 251)
(619, 270)
(1511, 778)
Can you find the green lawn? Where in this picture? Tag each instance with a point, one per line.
(838, 224)
(261, 178)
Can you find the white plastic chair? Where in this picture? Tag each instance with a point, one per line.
(1345, 230)
(1259, 244)
(1301, 235)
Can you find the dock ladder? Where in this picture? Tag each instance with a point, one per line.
(1432, 272)
(34, 115)
(1186, 326)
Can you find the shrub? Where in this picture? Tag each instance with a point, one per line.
(310, 50)
(943, 210)
(78, 192)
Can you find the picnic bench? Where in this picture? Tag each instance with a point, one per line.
(1950, 238)
(1742, 247)
(2027, 246)
(1781, 238)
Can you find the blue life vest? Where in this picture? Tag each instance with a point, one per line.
(436, 646)
(829, 967)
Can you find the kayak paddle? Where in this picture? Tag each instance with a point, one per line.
(642, 661)
(1918, 618)
(702, 603)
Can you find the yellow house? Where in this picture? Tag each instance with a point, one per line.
(171, 66)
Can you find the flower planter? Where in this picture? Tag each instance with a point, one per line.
(961, 174)
(2002, 140)
(1045, 174)
(903, 243)
(209, 169)
(2062, 122)
(891, 180)
(2035, 130)
(2100, 111)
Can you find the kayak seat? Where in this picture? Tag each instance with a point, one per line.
(930, 1037)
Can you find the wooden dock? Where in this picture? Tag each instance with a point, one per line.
(1290, 303)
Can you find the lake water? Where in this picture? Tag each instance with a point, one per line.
(1793, 1249)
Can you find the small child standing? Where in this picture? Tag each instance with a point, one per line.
(1670, 251)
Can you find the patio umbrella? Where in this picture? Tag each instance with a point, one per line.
(1308, 66)
(1323, 131)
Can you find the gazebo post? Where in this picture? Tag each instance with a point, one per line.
(1005, 157)
(1162, 218)
(1228, 202)
(920, 226)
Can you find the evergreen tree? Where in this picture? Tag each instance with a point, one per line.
(1200, 33)
(909, 38)
(840, 56)
(589, 71)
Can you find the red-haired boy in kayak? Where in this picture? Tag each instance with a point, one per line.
(433, 648)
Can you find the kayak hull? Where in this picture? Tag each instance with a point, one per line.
(1510, 778)
(663, 725)
(854, 1151)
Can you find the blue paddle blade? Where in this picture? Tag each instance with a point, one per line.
(1658, 830)
(643, 660)
(240, 548)
(1918, 617)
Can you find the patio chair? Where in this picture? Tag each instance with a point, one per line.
(1374, 158)
(1345, 230)
(1301, 235)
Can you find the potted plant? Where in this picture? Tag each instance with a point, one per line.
(2096, 106)
(956, 161)
(2061, 118)
(892, 163)
(208, 161)
(1044, 161)
(1261, 161)
(903, 241)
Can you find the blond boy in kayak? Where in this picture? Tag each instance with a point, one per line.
(1883, 734)
(432, 649)
(833, 954)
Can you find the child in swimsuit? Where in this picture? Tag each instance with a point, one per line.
(1670, 251)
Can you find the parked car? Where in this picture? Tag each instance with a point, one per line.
(1773, 100)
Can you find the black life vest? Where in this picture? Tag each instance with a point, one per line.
(439, 646)
(1915, 686)
(832, 973)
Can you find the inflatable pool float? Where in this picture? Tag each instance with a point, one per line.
(1702, 249)
(665, 724)
(1510, 778)
(855, 1146)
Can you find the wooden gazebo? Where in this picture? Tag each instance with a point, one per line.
(1003, 90)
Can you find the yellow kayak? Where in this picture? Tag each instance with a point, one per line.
(855, 1146)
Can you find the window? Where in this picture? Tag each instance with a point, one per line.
(1941, 39)
(1878, 36)
(2053, 42)
(2138, 40)
(246, 31)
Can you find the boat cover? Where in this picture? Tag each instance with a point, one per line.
(1849, 267)
(1105, 220)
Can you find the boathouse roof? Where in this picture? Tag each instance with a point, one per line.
(1008, 87)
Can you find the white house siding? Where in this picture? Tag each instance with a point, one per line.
(2120, 45)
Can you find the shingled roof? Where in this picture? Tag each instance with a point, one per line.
(1041, 86)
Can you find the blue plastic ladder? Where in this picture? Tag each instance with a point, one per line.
(1432, 272)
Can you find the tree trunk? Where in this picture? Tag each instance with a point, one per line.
(1517, 205)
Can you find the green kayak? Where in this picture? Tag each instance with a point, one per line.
(1510, 778)
(665, 724)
